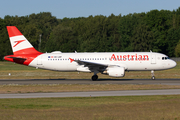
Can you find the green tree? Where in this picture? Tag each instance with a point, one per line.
(177, 49)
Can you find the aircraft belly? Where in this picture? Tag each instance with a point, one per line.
(139, 66)
(54, 65)
(59, 66)
(145, 66)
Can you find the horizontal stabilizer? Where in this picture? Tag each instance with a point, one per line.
(18, 58)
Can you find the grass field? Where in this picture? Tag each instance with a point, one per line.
(92, 108)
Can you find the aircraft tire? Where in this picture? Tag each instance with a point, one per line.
(94, 77)
(153, 77)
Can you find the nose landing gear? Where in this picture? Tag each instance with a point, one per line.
(152, 74)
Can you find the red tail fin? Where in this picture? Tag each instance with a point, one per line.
(19, 44)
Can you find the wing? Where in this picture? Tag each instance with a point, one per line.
(91, 65)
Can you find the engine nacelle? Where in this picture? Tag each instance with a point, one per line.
(116, 71)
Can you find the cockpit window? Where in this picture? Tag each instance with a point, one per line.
(165, 58)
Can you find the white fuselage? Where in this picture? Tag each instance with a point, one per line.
(129, 60)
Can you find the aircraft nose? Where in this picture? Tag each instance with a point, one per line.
(173, 64)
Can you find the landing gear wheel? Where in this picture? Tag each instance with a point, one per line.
(153, 77)
(94, 77)
(152, 74)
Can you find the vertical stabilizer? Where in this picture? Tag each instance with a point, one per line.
(19, 44)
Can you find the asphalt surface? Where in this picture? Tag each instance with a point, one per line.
(93, 94)
(96, 93)
(88, 81)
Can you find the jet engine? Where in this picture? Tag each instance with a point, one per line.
(116, 71)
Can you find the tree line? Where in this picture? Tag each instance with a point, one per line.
(158, 31)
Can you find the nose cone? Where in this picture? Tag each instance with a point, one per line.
(173, 64)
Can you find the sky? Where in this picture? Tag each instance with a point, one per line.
(83, 8)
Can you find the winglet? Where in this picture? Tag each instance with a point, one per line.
(71, 60)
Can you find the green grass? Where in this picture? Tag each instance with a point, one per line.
(92, 108)
(9, 66)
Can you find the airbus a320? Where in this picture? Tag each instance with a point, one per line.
(110, 63)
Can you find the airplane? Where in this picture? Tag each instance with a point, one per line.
(113, 64)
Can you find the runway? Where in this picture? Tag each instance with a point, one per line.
(88, 81)
(93, 94)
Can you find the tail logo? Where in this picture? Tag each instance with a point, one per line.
(17, 42)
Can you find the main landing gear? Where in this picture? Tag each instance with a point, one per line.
(152, 74)
(94, 77)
